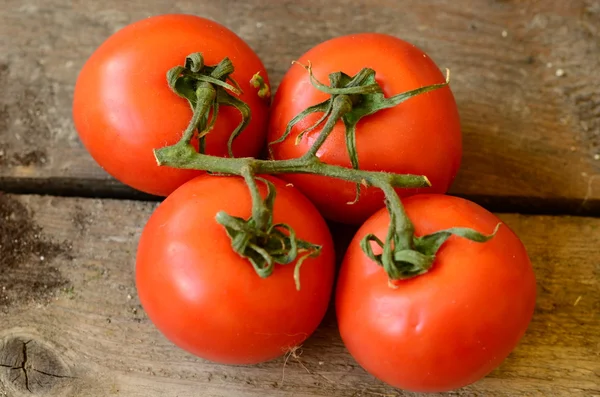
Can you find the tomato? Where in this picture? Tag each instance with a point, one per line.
(449, 327)
(209, 300)
(123, 107)
(420, 136)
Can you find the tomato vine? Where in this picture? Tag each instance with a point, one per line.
(257, 239)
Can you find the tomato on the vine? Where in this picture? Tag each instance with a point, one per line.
(420, 136)
(209, 300)
(454, 324)
(123, 107)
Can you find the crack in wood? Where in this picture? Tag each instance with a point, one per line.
(53, 375)
(23, 363)
(16, 377)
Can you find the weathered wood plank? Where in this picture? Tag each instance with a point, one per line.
(67, 288)
(524, 74)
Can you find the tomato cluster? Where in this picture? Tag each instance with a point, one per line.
(438, 322)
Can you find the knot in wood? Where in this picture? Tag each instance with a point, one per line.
(30, 367)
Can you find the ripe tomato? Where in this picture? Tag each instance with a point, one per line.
(420, 136)
(123, 107)
(207, 299)
(449, 327)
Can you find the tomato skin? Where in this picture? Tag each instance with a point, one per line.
(449, 327)
(206, 298)
(123, 107)
(420, 136)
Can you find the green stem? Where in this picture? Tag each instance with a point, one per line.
(205, 95)
(341, 105)
(260, 213)
(403, 226)
(185, 156)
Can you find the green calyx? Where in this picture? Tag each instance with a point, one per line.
(404, 255)
(401, 263)
(351, 99)
(260, 241)
(206, 88)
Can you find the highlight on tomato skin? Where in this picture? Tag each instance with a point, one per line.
(420, 136)
(453, 325)
(123, 107)
(207, 299)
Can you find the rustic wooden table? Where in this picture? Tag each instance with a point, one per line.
(525, 75)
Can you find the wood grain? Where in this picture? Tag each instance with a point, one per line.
(91, 336)
(524, 75)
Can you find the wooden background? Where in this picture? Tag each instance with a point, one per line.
(527, 81)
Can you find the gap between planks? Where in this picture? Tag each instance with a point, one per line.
(112, 189)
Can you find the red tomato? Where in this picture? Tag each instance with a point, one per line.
(206, 298)
(420, 136)
(449, 327)
(123, 107)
